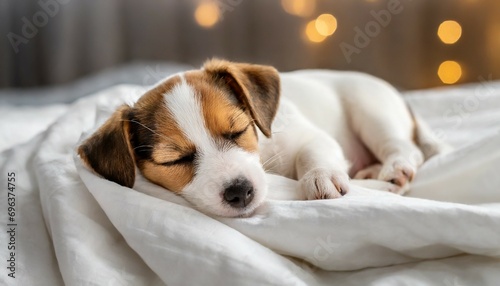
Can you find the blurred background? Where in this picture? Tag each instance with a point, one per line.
(413, 44)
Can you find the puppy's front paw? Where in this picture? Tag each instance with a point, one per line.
(324, 184)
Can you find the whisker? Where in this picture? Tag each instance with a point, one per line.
(144, 146)
(152, 131)
(273, 158)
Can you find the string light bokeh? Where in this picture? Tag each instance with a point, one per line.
(449, 72)
(301, 8)
(449, 32)
(320, 24)
(207, 14)
(326, 24)
(312, 33)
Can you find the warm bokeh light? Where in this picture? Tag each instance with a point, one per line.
(326, 24)
(449, 32)
(312, 34)
(207, 14)
(302, 8)
(449, 72)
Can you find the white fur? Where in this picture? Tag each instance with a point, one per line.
(216, 167)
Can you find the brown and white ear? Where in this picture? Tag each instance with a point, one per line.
(256, 86)
(108, 151)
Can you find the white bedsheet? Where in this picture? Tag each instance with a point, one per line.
(75, 228)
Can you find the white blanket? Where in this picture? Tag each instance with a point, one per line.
(75, 228)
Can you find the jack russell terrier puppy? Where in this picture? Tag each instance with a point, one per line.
(211, 134)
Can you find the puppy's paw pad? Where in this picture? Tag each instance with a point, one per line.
(321, 184)
(398, 172)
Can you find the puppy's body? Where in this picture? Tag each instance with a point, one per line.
(209, 135)
(325, 100)
(366, 118)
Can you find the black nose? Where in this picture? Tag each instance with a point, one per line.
(239, 193)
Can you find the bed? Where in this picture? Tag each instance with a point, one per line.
(72, 227)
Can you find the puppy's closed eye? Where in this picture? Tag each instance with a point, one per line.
(233, 136)
(186, 159)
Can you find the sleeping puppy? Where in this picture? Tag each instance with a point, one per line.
(210, 135)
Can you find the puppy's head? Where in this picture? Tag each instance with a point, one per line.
(195, 134)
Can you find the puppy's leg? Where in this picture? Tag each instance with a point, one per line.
(381, 119)
(322, 169)
(312, 156)
(400, 157)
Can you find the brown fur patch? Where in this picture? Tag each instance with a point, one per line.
(170, 146)
(173, 178)
(222, 112)
(108, 151)
(256, 86)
